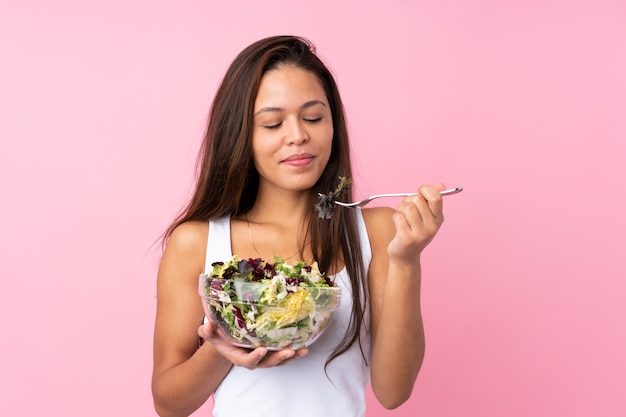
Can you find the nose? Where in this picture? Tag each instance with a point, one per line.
(298, 133)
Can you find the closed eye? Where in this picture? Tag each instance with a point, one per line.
(273, 126)
(314, 120)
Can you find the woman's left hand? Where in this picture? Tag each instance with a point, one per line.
(417, 220)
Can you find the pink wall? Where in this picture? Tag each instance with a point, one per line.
(523, 103)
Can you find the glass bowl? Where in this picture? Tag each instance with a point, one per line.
(253, 314)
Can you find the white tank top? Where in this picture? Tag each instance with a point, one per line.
(299, 388)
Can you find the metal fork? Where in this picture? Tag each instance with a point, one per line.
(366, 201)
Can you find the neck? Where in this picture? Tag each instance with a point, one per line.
(277, 224)
(284, 207)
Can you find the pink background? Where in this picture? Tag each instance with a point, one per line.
(102, 106)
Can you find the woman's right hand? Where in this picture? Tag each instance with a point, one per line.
(251, 359)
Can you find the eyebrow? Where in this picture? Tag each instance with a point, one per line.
(277, 109)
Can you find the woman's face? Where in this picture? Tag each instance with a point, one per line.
(293, 129)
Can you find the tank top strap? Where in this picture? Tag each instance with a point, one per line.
(218, 246)
(366, 249)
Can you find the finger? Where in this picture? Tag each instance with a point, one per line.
(414, 208)
(206, 331)
(209, 332)
(433, 198)
(243, 357)
(238, 356)
(255, 357)
(421, 214)
(440, 186)
(277, 358)
(298, 354)
(401, 222)
(283, 357)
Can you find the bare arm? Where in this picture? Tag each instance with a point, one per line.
(185, 375)
(398, 239)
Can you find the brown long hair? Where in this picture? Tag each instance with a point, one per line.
(227, 181)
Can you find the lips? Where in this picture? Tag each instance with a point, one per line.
(300, 159)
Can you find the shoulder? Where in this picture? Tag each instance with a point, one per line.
(378, 216)
(380, 226)
(379, 219)
(189, 235)
(187, 245)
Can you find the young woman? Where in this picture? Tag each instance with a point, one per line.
(276, 138)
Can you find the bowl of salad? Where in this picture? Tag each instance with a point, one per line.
(275, 305)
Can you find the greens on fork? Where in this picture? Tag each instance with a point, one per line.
(326, 204)
(328, 201)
